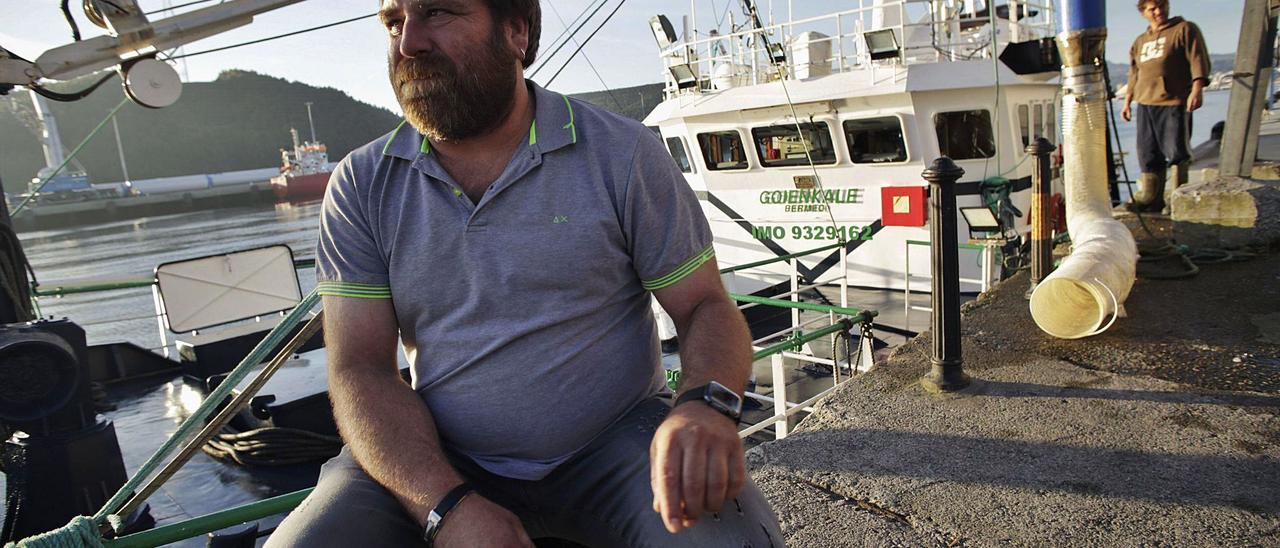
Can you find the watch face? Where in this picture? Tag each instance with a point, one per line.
(725, 400)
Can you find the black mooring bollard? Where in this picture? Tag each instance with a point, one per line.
(1041, 212)
(947, 371)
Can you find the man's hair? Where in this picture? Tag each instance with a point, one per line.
(529, 11)
(1142, 4)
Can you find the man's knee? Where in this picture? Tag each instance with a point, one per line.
(744, 521)
(346, 506)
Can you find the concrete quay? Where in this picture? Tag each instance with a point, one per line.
(1162, 431)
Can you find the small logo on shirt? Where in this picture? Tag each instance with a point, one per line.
(560, 219)
(1153, 49)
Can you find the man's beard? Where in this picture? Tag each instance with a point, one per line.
(446, 104)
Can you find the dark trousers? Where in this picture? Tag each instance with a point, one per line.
(599, 498)
(1164, 137)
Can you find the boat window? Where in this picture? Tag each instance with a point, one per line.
(723, 150)
(676, 146)
(875, 140)
(1024, 122)
(966, 134)
(782, 145)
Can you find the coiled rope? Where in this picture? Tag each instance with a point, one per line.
(272, 446)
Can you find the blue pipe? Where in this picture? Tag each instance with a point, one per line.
(1083, 14)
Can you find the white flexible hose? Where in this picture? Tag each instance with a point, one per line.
(1090, 285)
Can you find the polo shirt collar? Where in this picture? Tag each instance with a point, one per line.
(554, 127)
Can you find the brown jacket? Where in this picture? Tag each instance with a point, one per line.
(1164, 62)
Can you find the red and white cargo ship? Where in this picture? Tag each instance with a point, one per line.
(304, 173)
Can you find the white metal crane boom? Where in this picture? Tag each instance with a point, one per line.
(132, 38)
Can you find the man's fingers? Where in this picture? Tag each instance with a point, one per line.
(717, 481)
(694, 482)
(525, 540)
(666, 485)
(737, 474)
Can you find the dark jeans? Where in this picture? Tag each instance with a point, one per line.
(1164, 137)
(601, 497)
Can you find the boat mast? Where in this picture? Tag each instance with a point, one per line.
(312, 122)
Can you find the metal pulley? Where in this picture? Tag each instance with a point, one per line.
(150, 83)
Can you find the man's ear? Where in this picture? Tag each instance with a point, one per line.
(517, 33)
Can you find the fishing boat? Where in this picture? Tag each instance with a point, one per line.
(798, 133)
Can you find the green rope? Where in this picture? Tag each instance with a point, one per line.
(81, 532)
(215, 398)
(32, 195)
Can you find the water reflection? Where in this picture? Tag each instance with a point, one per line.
(181, 401)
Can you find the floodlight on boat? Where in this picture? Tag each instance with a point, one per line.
(663, 32)
(981, 221)
(684, 76)
(882, 44)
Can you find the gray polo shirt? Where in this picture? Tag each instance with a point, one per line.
(526, 316)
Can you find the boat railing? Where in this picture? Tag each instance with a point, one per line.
(879, 36)
(166, 347)
(794, 342)
(988, 257)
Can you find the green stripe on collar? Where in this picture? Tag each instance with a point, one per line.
(387, 146)
(570, 126)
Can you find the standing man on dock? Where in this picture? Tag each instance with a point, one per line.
(509, 238)
(1168, 69)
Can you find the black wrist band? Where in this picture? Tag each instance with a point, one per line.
(436, 518)
(688, 396)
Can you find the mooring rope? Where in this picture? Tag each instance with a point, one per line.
(80, 533)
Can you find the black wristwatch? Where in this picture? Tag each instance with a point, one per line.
(718, 397)
(436, 517)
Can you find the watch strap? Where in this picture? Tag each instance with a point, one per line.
(435, 520)
(696, 394)
(702, 394)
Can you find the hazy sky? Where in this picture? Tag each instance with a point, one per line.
(351, 57)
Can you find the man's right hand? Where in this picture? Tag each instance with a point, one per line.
(1126, 113)
(477, 521)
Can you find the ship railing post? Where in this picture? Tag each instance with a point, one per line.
(1041, 237)
(781, 427)
(906, 286)
(946, 366)
(844, 274)
(840, 37)
(795, 291)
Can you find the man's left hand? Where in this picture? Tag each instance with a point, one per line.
(1195, 100)
(696, 463)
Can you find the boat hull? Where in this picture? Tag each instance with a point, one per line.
(296, 188)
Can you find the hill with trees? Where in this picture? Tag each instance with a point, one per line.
(239, 121)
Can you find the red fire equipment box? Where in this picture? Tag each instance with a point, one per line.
(904, 205)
